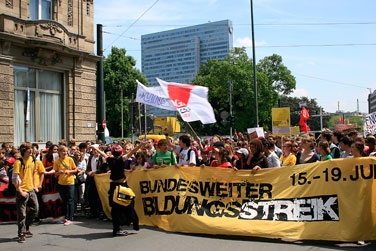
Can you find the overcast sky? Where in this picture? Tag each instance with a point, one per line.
(329, 46)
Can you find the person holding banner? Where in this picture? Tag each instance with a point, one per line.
(163, 157)
(120, 215)
(287, 158)
(186, 155)
(257, 159)
(220, 158)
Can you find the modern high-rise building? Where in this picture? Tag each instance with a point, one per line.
(176, 55)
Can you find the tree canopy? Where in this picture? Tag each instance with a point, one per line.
(120, 74)
(272, 79)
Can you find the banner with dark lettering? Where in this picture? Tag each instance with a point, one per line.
(331, 200)
(50, 203)
(370, 124)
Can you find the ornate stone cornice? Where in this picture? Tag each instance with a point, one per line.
(51, 27)
(42, 56)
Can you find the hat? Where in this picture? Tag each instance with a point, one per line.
(243, 151)
(10, 160)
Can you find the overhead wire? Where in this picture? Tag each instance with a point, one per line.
(132, 24)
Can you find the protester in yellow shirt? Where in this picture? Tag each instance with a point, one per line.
(26, 198)
(287, 157)
(65, 169)
(38, 181)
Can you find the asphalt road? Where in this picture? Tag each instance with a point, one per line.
(95, 234)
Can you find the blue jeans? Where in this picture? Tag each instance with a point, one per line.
(67, 195)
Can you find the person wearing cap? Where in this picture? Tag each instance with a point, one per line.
(241, 162)
(8, 166)
(120, 214)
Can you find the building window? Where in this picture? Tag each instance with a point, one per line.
(40, 9)
(38, 105)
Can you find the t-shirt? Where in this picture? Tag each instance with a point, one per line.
(183, 153)
(65, 164)
(40, 170)
(289, 160)
(166, 158)
(25, 173)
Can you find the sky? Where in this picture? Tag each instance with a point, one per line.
(329, 46)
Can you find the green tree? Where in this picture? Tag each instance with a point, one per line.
(279, 75)
(120, 74)
(238, 68)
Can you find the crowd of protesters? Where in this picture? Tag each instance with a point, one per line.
(76, 164)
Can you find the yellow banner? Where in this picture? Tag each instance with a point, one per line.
(331, 200)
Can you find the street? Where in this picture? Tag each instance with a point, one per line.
(94, 234)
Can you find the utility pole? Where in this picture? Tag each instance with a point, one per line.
(122, 113)
(254, 65)
(132, 115)
(100, 86)
(231, 88)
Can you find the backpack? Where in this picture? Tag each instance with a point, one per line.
(11, 190)
(189, 154)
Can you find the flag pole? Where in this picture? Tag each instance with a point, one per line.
(192, 129)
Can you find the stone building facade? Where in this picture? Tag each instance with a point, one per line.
(47, 70)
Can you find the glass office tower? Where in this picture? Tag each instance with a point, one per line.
(176, 55)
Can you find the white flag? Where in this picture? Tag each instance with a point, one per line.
(153, 96)
(191, 101)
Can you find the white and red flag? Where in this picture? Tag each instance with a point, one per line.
(153, 96)
(191, 101)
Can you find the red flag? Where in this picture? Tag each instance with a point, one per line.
(304, 116)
